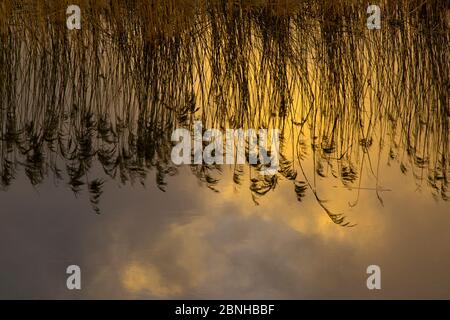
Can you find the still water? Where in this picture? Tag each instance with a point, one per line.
(85, 151)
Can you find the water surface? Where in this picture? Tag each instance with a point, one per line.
(87, 178)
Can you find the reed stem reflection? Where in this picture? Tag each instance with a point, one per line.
(112, 93)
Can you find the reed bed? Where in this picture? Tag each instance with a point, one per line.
(113, 92)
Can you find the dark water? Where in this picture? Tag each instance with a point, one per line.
(87, 178)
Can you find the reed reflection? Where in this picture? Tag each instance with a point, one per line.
(112, 93)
